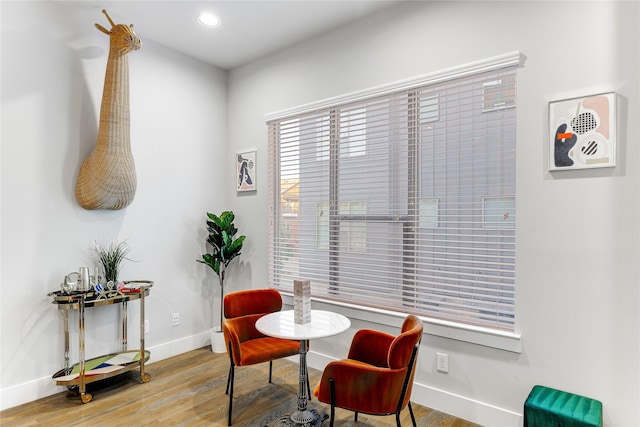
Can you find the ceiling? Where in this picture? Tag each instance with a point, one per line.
(248, 29)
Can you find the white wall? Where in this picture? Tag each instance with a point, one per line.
(578, 232)
(53, 69)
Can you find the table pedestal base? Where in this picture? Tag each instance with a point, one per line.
(307, 418)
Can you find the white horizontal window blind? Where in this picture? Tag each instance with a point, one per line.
(402, 200)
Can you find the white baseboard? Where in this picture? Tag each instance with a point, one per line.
(27, 392)
(43, 387)
(463, 407)
(183, 345)
(460, 406)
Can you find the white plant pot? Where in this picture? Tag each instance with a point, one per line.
(217, 341)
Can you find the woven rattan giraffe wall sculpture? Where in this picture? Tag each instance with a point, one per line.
(107, 177)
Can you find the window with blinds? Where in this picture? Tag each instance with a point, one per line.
(404, 198)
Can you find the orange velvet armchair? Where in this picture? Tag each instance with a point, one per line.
(377, 376)
(245, 344)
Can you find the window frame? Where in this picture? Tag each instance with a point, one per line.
(513, 58)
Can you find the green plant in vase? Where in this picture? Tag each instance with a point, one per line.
(225, 246)
(111, 257)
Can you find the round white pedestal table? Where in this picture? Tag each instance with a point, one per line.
(281, 324)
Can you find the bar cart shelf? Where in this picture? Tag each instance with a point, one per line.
(77, 376)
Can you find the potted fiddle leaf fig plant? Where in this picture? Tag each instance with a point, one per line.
(225, 247)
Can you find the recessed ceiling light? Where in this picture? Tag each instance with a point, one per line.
(208, 20)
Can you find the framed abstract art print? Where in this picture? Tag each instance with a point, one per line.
(582, 132)
(246, 171)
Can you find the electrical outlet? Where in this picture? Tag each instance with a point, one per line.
(442, 362)
(176, 319)
(146, 326)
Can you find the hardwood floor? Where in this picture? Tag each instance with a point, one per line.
(189, 390)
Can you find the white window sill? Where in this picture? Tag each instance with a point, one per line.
(503, 340)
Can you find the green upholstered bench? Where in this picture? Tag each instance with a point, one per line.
(547, 407)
